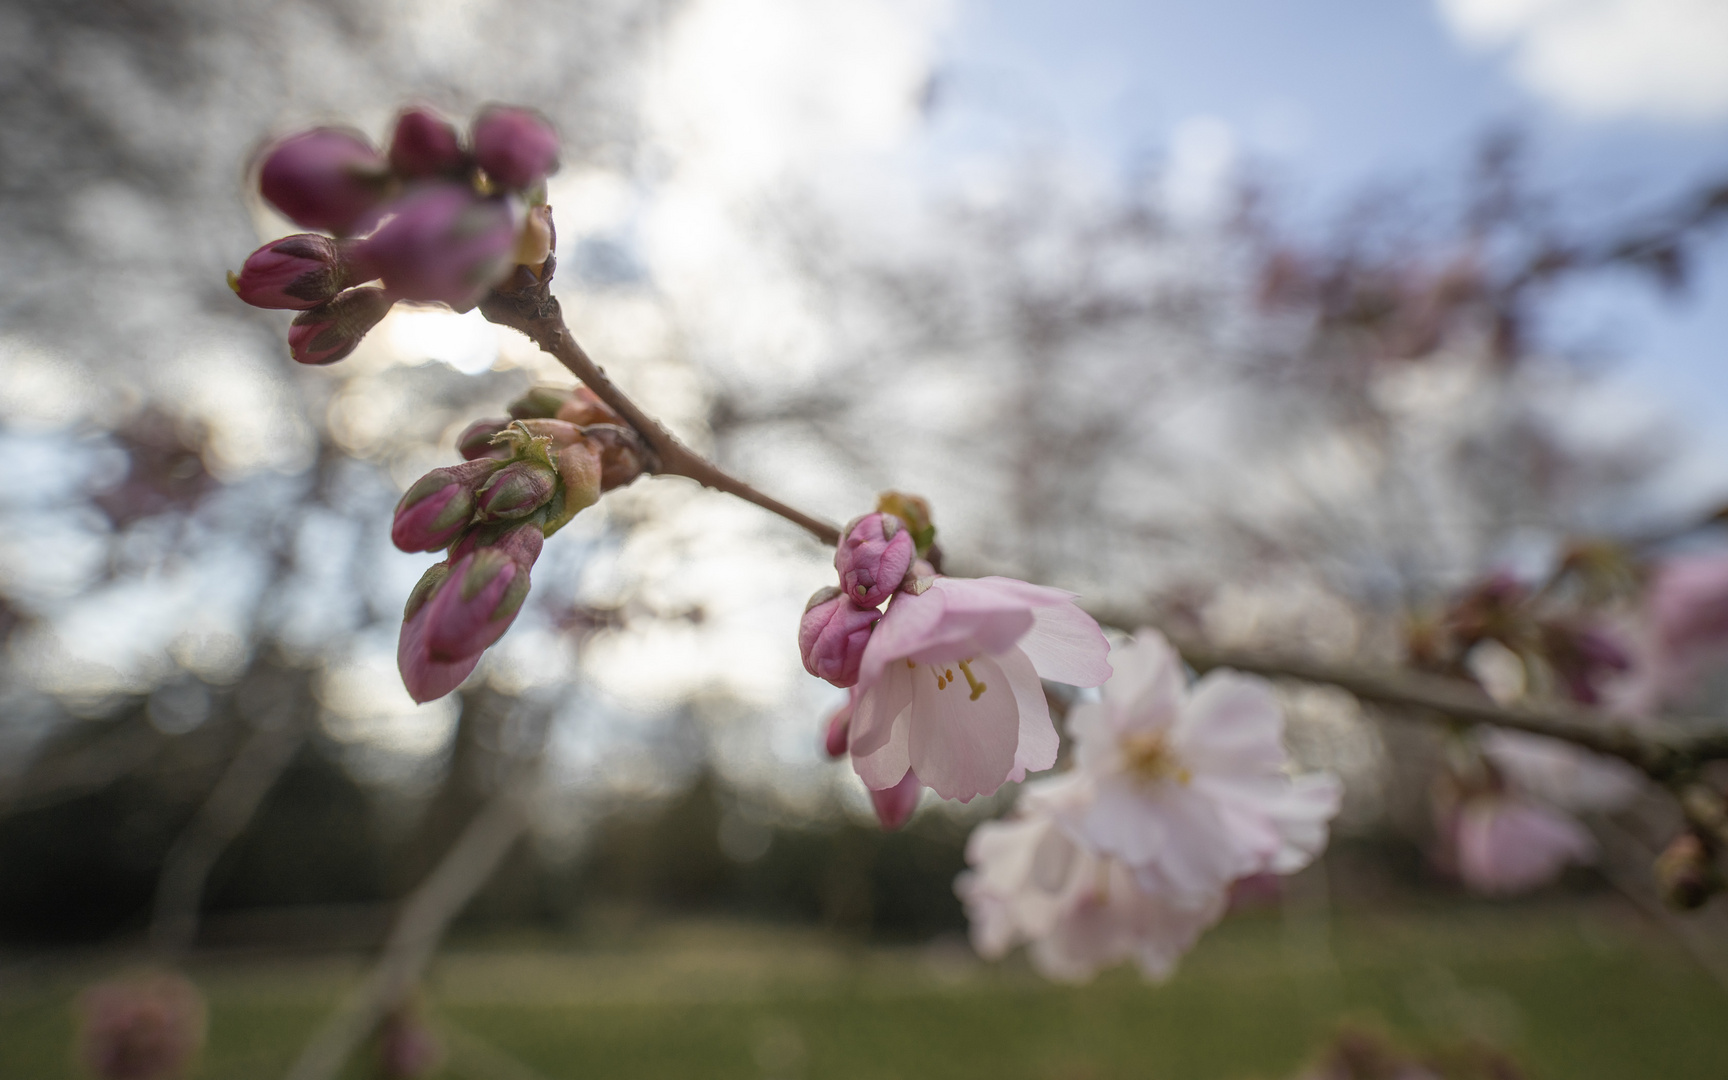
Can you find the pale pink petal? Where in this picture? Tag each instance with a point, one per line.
(963, 746)
(1560, 773)
(1146, 691)
(1232, 724)
(978, 617)
(886, 765)
(1038, 742)
(1512, 845)
(1066, 646)
(906, 626)
(875, 708)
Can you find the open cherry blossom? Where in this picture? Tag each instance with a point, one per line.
(1194, 787)
(1077, 911)
(949, 687)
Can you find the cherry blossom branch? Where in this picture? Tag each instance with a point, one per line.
(223, 817)
(526, 303)
(425, 917)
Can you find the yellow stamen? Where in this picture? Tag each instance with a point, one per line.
(978, 688)
(1149, 758)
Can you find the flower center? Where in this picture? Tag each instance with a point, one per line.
(945, 678)
(1149, 757)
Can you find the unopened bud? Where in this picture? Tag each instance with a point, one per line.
(894, 806)
(540, 403)
(444, 244)
(872, 558)
(475, 605)
(536, 238)
(439, 505)
(517, 147)
(839, 733)
(476, 440)
(326, 178)
(579, 473)
(296, 272)
(1686, 876)
(517, 490)
(914, 513)
(331, 331)
(584, 407)
(425, 145)
(832, 636)
(621, 454)
(521, 541)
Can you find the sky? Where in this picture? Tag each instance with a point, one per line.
(1620, 99)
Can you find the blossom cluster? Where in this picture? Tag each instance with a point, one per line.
(1177, 793)
(945, 682)
(431, 220)
(1605, 631)
(525, 476)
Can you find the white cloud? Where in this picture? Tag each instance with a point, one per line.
(1604, 58)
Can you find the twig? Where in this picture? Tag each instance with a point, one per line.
(223, 817)
(527, 304)
(421, 927)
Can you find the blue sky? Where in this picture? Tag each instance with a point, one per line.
(1334, 94)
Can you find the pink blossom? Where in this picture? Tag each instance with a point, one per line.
(1686, 608)
(296, 272)
(147, 1027)
(894, 806)
(1193, 788)
(326, 178)
(439, 505)
(832, 636)
(516, 147)
(331, 331)
(442, 243)
(425, 145)
(1509, 844)
(461, 607)
(949, 687)
(1078, 912)
(873, 557)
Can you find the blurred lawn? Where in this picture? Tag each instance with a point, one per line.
(1574, 991)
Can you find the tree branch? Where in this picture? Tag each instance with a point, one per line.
(223, 817)
(527, 304)
(425, 917)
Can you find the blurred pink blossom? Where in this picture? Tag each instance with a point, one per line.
(949, 683)
(1506, 843)
(141, 1027)
(326, 178)
(1078, 912)
(516, 147)
(1194, 789)
(443, 243)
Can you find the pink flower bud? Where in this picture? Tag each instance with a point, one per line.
(516, 147)
(141, 1028)
(444, 243)
(407, 1048)
(426, 676)
(439, 505)
(832, 636)
(476, 440)
(425, 145)
(296, 272)
(894, 806)
(540, 403)
(839, 731)
(522, 542)
(331, 331)
(517, 490)
(873, 558)
(475, 605)
(326, 178)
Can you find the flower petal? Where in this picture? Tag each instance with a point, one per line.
(962, 745)
(1038, 742)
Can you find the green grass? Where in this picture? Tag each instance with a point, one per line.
(1573, 992)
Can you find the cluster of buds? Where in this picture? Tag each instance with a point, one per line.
(523, 478)
(879, 554)
(430, 220)
(143, 1027)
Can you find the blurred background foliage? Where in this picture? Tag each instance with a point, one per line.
(1159, 386)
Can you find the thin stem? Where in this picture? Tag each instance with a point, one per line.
(534, 311)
